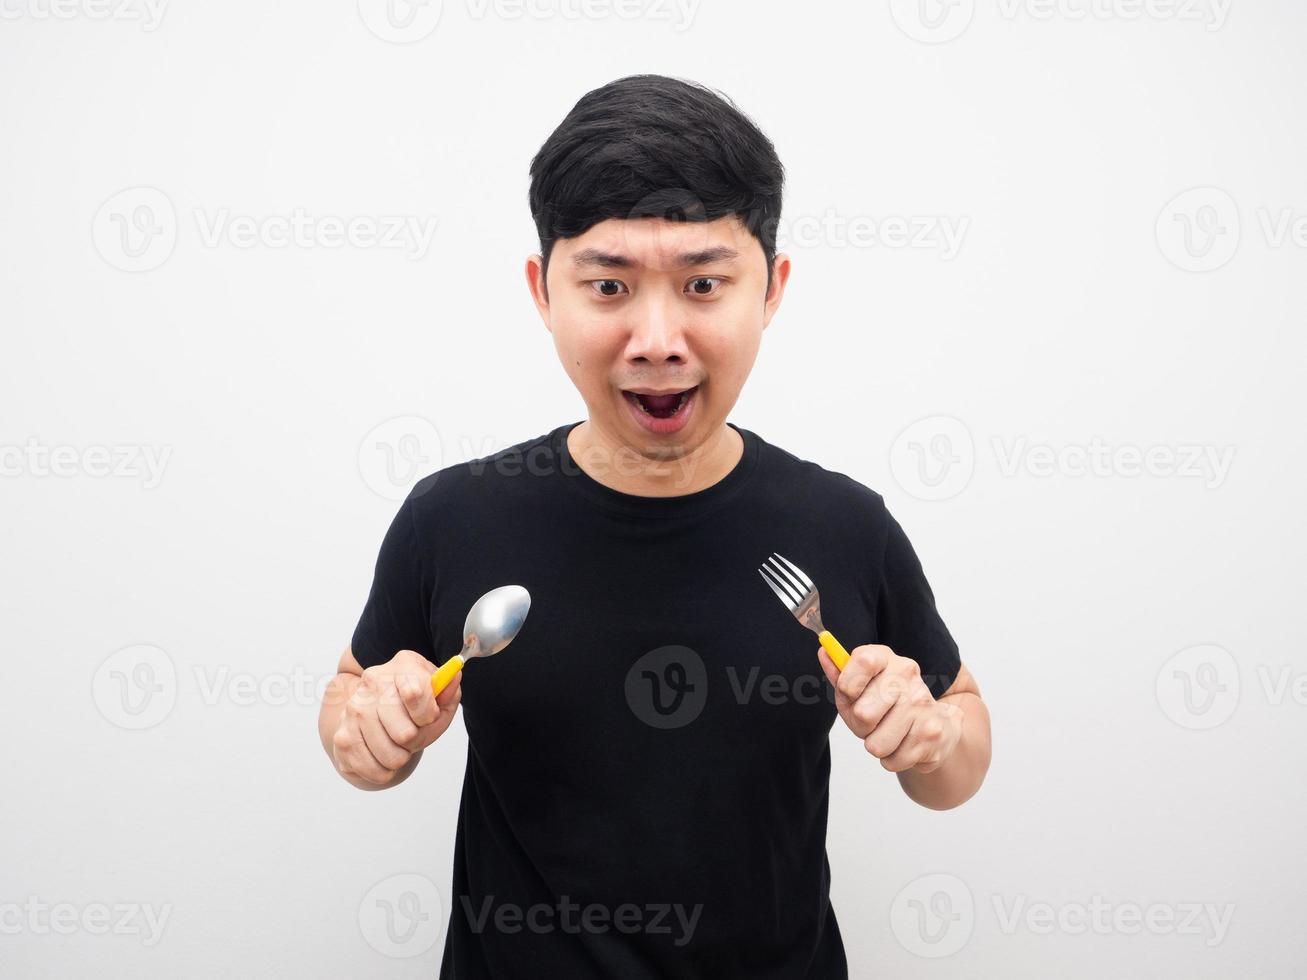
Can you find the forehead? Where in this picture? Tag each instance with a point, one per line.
(657, 243)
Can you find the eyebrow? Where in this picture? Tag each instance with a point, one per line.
(608, 260)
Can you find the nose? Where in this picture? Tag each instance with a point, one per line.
(657, 330)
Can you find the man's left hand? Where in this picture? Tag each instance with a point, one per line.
(884, 701)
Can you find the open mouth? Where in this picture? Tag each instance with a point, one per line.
(661, 406)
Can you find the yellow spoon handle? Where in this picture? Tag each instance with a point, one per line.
(441, 678)
(839, 656)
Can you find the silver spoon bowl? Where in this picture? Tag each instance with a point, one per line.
(491, 624)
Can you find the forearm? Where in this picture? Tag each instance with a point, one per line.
(958, 779)
(334, 699)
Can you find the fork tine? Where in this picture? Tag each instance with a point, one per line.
(782, 588)
(795, 593)
(786, 576)
(793, 587)
(803, 579)
(789, 602)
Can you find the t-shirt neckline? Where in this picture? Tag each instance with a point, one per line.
(634, 505)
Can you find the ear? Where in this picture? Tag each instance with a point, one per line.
(780, 276)
(535, 281)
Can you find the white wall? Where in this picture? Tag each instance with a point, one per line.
(1069, 313)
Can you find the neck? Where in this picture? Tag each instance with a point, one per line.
(658, 471)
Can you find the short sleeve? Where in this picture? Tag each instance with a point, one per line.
(906, 618)
(397, 613)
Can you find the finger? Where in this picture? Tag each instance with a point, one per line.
(353, 757)
(911, 751)
(394, 714)
(889, 734)
(419, 702)
(921, 765)
(930, 736)
(438, 727)
(899, 682)
(842, 703)
(444, 718)
(384, 748)
(865, 663)
(869, 711)
(418, 661)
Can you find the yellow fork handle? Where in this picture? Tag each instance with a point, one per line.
(441, 678)
(839, 656)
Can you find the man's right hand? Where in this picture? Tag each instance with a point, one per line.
(390, 716)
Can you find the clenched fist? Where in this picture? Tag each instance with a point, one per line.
(884, 701)
(390, 716)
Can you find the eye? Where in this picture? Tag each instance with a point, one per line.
(602, 286)
(695, 285)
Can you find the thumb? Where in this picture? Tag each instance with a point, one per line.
(449, 696)
(828, 666)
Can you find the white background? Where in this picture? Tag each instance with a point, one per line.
(1093, 307)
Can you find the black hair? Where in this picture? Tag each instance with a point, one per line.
(653, 146)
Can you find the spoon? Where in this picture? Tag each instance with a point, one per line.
(491, 624)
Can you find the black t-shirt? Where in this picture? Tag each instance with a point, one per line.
(648, 761)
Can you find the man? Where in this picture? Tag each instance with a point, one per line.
(646, 785)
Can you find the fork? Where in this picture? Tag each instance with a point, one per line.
(800, 596)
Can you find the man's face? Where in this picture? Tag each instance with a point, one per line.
(642, 310)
